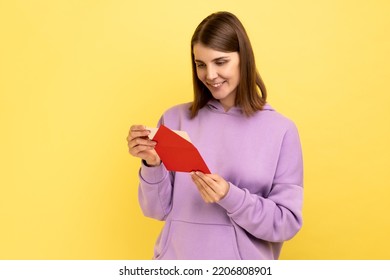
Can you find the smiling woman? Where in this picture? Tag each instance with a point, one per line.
(252, 202)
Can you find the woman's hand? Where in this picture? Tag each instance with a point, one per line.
(141, 146)
(212, 187)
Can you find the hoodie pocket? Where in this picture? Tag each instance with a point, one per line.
(196, 241)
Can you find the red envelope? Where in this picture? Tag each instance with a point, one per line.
(177, 153)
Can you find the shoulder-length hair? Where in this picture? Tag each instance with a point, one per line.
(222, 31)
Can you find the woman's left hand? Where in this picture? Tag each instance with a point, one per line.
(212, 187)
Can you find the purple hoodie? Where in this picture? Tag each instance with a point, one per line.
(260, 156)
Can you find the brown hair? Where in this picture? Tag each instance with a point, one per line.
(222, 31)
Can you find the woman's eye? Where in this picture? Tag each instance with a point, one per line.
(222, 62)
(200, 65)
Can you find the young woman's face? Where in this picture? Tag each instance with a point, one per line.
(219, 72)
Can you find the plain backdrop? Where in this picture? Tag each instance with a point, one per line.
(74, 75)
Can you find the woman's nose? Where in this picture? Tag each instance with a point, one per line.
(211, 73)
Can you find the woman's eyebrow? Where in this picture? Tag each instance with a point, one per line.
(215, 59)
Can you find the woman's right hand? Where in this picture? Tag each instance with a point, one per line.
(141, 146)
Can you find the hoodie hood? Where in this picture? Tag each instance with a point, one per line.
(216, 106)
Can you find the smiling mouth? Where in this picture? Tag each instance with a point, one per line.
(216, 85)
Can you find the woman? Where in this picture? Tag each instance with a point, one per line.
(252, 202)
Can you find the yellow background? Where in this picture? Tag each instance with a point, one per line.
(74, 75)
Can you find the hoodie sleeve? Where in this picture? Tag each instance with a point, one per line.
(277, 217)
(155, 189)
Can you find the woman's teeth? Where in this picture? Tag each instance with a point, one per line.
(216, 85)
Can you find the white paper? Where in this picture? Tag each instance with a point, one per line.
(182, 133)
